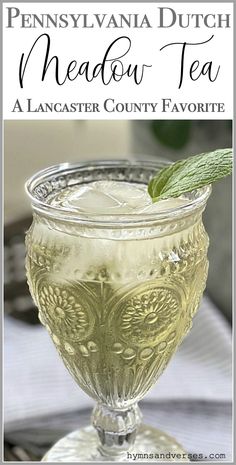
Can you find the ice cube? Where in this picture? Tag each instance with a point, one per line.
(104, 197)
(92, 199)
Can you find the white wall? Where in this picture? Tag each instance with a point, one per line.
(33, 145)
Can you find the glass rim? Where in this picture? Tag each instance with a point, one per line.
(107, 220)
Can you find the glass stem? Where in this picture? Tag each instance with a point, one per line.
(116, 428)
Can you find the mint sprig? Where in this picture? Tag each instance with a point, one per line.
(190, 174)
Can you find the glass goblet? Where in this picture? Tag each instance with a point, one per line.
(117, 294)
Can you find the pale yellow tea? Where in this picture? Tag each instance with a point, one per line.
(117, 302)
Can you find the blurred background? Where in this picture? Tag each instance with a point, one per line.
(33, 145)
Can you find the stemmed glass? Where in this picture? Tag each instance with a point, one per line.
(117, 294)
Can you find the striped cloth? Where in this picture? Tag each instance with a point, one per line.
(191, 400)
(201, 427)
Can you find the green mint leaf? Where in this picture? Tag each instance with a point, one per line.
(190, 174)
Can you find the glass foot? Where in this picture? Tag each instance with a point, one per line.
(151, 445)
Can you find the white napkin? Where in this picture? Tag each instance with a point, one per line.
(37, 383)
